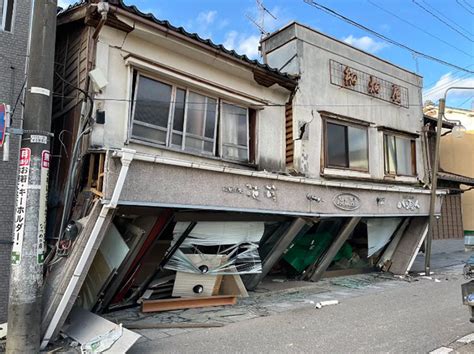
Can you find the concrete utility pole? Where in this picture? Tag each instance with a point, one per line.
(26, 279)
(434, 185)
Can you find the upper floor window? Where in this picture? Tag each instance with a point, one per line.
(183, 119)
(399, 155)
(346, 146)
(6, 12)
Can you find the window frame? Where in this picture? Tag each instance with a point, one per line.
(185, 120)
(4, 16)
(217, 152)
(413, 163)
(345, 123)
(221, 144)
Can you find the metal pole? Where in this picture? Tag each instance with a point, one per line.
(26, 278)
(434, 185)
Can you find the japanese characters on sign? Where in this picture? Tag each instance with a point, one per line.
(20, 210)
(254, 192)
(350, 78)
(347, 201)
(374, 86)
(45, 158)
(396, 94)
(356, 80)
(3, 117)
(409, 203)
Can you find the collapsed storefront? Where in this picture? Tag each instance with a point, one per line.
(190, 192)
(221, 242)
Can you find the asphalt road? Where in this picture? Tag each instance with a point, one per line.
(416, 318)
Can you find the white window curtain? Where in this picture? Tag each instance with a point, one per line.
(234, 132)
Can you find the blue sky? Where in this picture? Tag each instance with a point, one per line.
(449, 37)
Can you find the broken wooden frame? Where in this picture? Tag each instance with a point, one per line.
(132, 262)
(318, 269)
(275, 254)
(187, 303)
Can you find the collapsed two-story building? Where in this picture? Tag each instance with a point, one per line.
(189, 160)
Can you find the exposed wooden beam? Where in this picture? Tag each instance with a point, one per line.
(187, 303)
(342, 237)
(277, 251)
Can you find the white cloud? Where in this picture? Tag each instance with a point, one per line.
(365, 43)
(206, 18)
(242, 44)
(435, 92)
(203, 24)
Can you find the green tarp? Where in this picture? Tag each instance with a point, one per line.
(308, 248)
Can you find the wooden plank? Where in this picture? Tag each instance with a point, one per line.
(342, 237)
(171, 325)
(187, 303)
(277, 251)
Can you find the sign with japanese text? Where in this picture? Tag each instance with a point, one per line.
(20, 209)
(45, 158)
(356, 80)
(3, 122)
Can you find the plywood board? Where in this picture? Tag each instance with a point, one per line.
(185, 282)
(232, 285)
(187, 303)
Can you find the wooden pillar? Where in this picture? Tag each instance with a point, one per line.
(277, 251)
(342, 237)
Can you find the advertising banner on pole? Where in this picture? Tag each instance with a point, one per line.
(20, 210)
(3, 122)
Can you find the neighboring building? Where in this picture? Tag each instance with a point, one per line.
(200, 160)
(456, 157)
(14, 33)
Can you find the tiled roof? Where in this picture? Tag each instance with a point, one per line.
(290, 79)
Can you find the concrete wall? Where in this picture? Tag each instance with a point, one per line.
(316, 93)
(177, 62)
(12, 76)
(208, 188)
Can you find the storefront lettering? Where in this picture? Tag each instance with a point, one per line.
(410, 204)
(347, 201)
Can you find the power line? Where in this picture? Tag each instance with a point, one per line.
(447, 18)
(381, 36)
(470, 98)
(464, 1)
(454, 73)
(444, 86)
(464, 7)
(441, 20)
(419, 28)
(111, 99)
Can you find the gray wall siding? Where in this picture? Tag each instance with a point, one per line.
(13, 47)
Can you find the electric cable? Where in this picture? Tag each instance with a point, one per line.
(383, 37)
(419, 28)
(441, 20)
(464, 7)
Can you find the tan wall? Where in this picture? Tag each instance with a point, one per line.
(457, 156)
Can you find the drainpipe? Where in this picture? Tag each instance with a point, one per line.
(127, 156)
